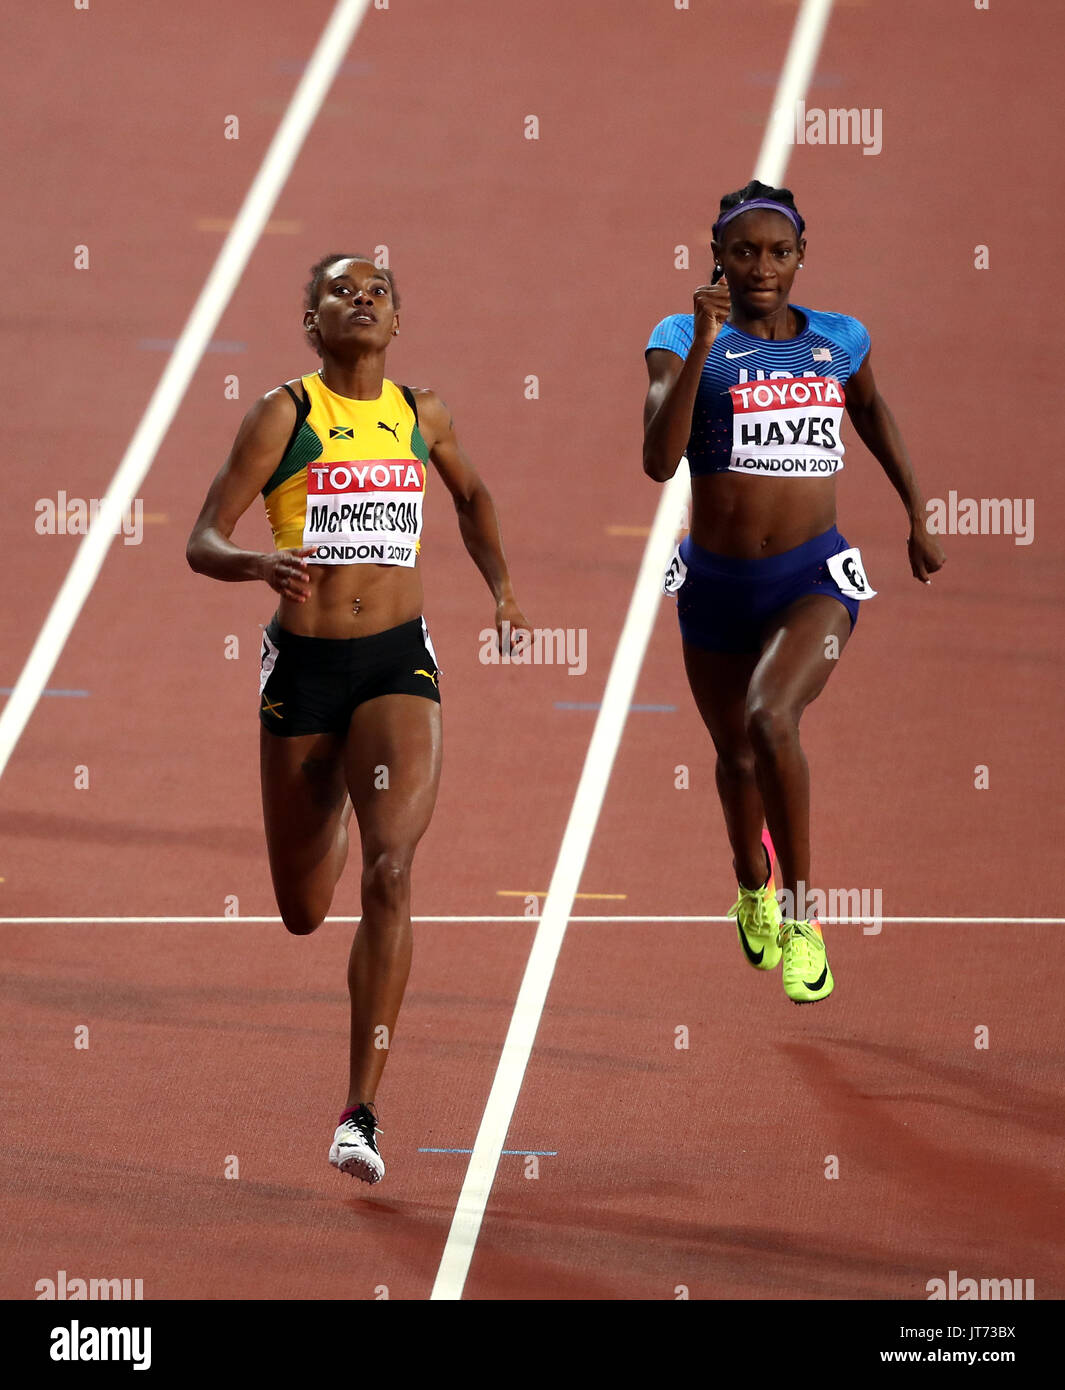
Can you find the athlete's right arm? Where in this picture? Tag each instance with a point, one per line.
(674, 384)
(256, 452)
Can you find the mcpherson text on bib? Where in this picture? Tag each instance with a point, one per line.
(787, 428)
(367, 511)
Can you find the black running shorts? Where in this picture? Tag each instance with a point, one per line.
(311, 685)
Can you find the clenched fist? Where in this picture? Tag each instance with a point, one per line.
(712, 305)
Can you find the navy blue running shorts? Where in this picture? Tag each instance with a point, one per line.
(726, 604)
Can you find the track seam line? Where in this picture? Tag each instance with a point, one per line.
(599, 761)
(517, 920)
(299, 117)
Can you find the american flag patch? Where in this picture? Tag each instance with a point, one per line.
(822, 355)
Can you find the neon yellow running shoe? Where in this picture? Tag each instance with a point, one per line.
(807, 977)
(757, 915)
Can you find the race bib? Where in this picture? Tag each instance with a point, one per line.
(787, 427)
(366, 512)
(846, 569)
(675, 575)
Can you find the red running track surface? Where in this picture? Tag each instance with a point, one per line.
(703, 1166)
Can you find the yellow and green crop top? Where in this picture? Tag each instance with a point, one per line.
(352, 478)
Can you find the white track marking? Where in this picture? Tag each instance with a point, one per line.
(810, 25)
(512, 920)
(599, 761)
(214, 297)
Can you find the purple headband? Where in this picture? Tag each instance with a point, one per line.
(750, 205)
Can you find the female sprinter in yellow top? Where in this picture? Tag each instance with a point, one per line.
(753, 389)
(349, 698)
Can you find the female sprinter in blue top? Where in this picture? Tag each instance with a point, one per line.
(349, 697)
(753, 389)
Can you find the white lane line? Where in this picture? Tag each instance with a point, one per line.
(599, 762)
(214, 297)
(516, 920)
(798, 69)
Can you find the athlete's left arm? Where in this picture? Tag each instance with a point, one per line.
(478, 521)
(879, 433)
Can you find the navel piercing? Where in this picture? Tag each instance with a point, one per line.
(355, 607)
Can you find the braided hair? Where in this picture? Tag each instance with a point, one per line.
(761, 192)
